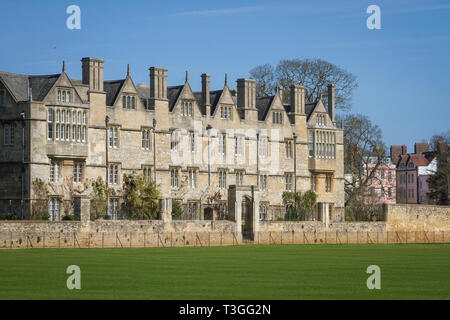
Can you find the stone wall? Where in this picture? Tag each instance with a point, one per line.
(415, 217)
(318, 226)
(404, 224)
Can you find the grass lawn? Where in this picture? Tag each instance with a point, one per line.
(408, 271)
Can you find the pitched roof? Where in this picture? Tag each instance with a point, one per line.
(263, 106)
(214, 99)
(172, 94)
(41, 85)
(309, 108)
(418, 160)
(402, 159)
(112, 89)
(19, 83)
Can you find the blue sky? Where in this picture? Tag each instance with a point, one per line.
(402, 69)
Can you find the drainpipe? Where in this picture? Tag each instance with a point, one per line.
(22, 118)
(295, 162)
(107, 164)
(208, 128)
(257, 159)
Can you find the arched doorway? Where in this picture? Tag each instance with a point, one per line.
(243, 208)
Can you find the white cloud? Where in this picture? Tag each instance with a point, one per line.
(224, 11)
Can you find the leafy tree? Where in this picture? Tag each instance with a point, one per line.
(301, 205)
(140, 197)
(98, 199)
(39, 209)
(313, 74)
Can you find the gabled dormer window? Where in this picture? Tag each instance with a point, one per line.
(186, 108)
(225, 112)
(277, 117)
(128, 102)
(63, 95)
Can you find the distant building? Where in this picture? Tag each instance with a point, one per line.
(382, 186)
(413, 171)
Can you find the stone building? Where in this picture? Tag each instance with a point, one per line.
(68, 132)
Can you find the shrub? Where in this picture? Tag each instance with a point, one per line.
(68, 217)
(8, 216)
(177, 210)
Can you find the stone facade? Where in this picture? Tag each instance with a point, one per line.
(195, 144)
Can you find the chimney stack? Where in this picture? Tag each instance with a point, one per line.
(92, 73)
(421, 147)
(397, 151)
(331, 101)
(297, 99)
(205, 90)
(246, 93)
(158, 83)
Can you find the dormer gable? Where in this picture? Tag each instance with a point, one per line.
(276, 113)
(61, 91)
(319, 116)
(225, 106)
(185, 103)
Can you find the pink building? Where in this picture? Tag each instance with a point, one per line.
(383, 184)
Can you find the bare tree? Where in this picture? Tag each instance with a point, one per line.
(364, 154)
(313, 74)
(264, 76)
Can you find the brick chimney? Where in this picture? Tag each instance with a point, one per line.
(396, 151)
(421, 147)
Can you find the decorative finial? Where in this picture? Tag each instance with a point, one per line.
(226, 79)
(187, 76)
(278, 88)
(128, 70)
(64, 66)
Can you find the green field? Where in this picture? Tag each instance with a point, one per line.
(409, 271)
